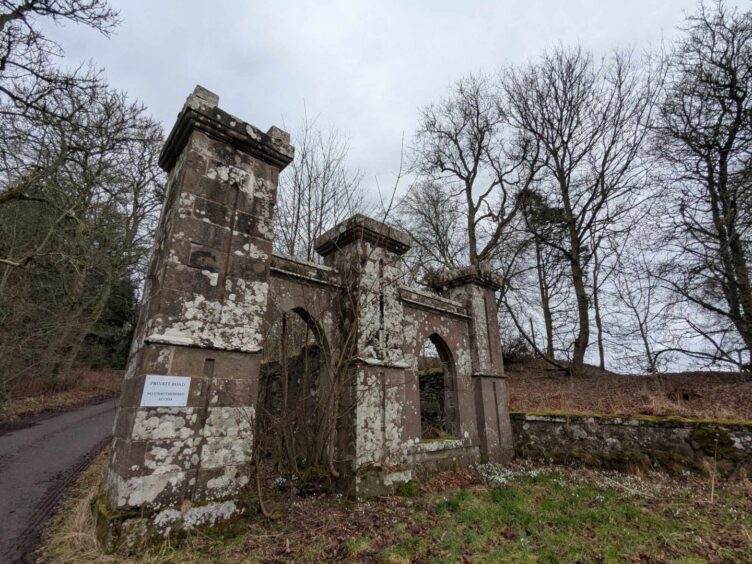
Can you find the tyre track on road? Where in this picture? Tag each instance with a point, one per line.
(37, 465)
(29, 538)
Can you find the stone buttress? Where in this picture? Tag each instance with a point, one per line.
(476, 286)
(372, 436)
(181, 467)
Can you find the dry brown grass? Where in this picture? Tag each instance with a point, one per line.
(70, 536)
(81, 387)
(533, 387)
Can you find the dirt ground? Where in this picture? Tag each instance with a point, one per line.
(535, 387)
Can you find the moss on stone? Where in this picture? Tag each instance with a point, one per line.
(226, 529)
(668, 420)
(715, 441)
(128, 532)
(624, 460)
(670, 461)
(439, 440)
(430, 372)
(672, 419)
(411, 488)
(101, 506)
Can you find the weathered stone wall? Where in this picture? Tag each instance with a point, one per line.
(475, 287)
(624, 443)
(445, 323)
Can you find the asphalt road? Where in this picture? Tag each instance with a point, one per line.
(37, 463)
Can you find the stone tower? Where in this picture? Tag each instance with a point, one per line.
(183, 432)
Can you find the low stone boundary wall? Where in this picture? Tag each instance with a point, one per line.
(626, 443)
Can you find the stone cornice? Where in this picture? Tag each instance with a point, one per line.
(359, 227)
(480, 275)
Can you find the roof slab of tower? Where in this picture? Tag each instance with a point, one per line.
(201, 112)
(360, 227)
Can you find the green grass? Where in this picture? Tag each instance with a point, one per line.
(357, 546)
(545, 519)
(532, 514)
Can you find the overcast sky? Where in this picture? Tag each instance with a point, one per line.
(362, 67)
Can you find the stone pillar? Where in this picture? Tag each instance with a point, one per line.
(180, 461)
(367, 253)
(476, 287)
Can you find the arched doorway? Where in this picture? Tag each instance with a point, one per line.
(294, 390)
(438, 394)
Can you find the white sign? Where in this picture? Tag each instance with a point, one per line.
(165, 391)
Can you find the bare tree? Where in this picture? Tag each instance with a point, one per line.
(316, 191)
(704, 139)
(29, 77)
(544, 223)
(590, 122)
(433, 216)
(464, 142)
(639, 324)
(76, 232)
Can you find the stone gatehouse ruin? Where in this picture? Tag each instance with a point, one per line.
(184, 433)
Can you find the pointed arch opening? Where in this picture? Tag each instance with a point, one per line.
(294, 391)
(438, 395)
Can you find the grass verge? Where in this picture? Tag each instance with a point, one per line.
(70, 537)
(521, 513)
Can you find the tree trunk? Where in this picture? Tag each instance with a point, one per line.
(736, 288)
(545, 302)
(471, 236)
(597, 312)
(85, 328)
(57, 353)
(578, 280)
(648, 352)
(583, 334)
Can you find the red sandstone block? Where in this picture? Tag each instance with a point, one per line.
(204, 233)
(232, 391)
(251, 247)
(254, 225)
(213, 212)
(248, 268)
(128, 457)
(233, 365)
(199, 281)
(206, 258)
(192, 361)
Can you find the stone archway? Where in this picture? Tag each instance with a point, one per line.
(437, 390)
(294, 390)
